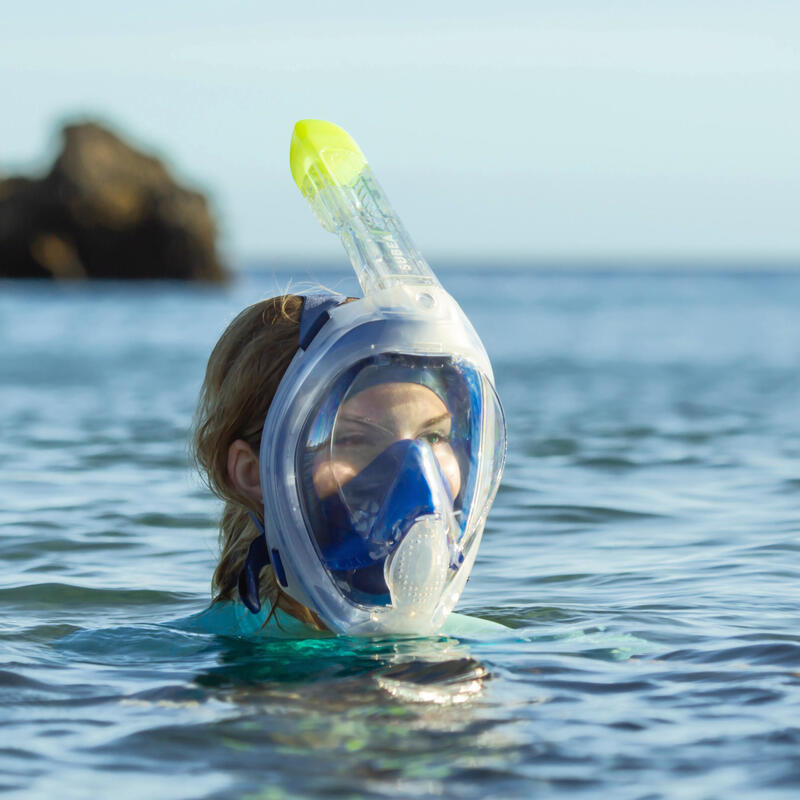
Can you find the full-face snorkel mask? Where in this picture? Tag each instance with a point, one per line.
(383, 447)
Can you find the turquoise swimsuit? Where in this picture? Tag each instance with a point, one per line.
(233, 619)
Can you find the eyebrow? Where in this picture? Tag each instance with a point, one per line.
(446, 417)
(363, 422)
(368, 423)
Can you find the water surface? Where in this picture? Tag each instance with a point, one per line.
(643, 549)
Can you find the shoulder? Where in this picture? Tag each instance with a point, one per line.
(462, 626)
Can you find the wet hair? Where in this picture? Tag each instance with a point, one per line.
(242, 376)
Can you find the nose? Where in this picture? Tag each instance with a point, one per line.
(419, 488)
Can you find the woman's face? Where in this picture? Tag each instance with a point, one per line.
(377, 417)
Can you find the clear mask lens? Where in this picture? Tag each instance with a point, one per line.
(392, 469)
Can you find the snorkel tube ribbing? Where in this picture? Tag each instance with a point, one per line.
(333, 175)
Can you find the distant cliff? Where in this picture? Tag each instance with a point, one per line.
(105, 210)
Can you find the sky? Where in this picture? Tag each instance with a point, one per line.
(589, 131)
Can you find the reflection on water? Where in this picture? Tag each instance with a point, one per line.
(643, 552)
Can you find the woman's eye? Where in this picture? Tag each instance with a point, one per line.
(351, 440)
(436, 437)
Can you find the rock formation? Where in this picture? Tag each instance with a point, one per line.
(105, 210)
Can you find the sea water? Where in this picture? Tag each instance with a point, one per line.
(644, 552)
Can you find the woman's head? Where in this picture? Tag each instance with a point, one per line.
(396, 403)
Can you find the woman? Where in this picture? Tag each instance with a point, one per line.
(357, 443)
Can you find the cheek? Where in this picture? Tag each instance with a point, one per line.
(329, 474)
(449, 464)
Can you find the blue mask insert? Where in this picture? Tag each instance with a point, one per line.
(410, 480)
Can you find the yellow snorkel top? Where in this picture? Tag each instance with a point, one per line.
(333, 175)
(323, 154)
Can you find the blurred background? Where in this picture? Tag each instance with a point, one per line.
(616, 132)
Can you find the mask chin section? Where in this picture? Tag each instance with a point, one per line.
(416, 574)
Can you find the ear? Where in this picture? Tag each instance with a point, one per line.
(243, 470)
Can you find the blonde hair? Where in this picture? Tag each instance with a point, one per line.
(242, 376)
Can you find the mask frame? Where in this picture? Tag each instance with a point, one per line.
(405, 320)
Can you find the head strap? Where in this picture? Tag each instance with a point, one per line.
(315, 314)
(257, 559)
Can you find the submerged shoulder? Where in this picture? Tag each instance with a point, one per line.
(464, 626)
(226, 618)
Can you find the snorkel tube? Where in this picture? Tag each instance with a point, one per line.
(332, 174)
